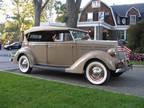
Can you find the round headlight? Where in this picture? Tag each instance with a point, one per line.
(112, 52)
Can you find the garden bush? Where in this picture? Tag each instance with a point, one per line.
(136, 37)
(136, 57)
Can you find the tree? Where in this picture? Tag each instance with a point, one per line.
(39, 6)
(136, 37)
(60, 11)
(49, 9)
(73, 7)
(20, 19)
(23, 14)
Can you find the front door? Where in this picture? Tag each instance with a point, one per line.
(60, 52)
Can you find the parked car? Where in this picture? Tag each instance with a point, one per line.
(70, 50)
(15, 45)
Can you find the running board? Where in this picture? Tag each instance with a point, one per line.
(60, 69)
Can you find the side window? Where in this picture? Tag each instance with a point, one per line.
(62, 36)
(49, 36)
(58, 37)
(67, 37)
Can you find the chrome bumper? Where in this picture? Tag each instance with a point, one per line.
(124, 69)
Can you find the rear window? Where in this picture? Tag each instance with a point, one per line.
(43, 36)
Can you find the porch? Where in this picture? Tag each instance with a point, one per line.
(99, 30)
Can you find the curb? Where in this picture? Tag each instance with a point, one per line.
(138, 66)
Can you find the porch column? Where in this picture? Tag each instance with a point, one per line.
(125, 34)
(95, 33)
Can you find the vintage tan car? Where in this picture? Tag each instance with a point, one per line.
(72, 51)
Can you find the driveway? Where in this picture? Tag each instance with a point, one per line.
(5, 63)
(131, 83)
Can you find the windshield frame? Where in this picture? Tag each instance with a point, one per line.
(78, 39)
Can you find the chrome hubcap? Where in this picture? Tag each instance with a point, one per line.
(96, 70)
(23, 64)
(96, 73)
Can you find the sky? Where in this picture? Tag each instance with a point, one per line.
(111, 2)
(84, 2)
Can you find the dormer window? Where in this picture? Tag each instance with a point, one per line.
(90, 16)
(132, 19)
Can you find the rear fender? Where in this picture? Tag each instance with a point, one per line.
(24, 51)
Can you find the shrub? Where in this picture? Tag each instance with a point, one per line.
(136, 37)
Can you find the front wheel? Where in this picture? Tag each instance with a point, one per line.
(24, 64)
(97, 73)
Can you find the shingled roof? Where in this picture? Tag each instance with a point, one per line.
(121, 10)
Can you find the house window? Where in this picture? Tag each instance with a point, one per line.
(101, 16)
(90, 16)
(132, 19)
(122, 35)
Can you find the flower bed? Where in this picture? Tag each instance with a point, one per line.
(136, 57)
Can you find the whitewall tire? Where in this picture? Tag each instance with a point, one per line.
(97, 73)
(24, 64)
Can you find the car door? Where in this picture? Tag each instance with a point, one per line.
(60, 52)
(38, 46)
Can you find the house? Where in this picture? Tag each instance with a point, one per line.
(109, 22)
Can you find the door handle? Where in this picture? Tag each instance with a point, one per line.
(50, 46)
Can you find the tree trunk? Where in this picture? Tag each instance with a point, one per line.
(37, 7)
(37, 16)
(72, 12)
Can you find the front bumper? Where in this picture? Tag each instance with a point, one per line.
(120, 70)
(123, 66)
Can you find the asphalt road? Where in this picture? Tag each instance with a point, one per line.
(130, 83)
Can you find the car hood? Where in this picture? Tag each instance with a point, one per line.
(99, 42)
(90, 45)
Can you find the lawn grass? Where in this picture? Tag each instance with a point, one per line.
(137, 62)
(25, 92)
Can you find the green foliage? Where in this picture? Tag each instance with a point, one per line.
(7, 37)
(23, 14)
(26, 92)
(136, 36)
(1, 28)
(10, 26)
(139, 50)
(60, 11)
(21, 18)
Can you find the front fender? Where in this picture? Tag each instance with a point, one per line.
(24, 51)
(78, 66)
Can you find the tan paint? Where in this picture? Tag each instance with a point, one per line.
(26, 51)
(78, 66)
(39, 51)
(60, 53)
(71, 54)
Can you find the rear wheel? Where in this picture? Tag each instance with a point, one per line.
(97, 73)
(24, 64)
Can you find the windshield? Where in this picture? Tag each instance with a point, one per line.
(80, 35)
